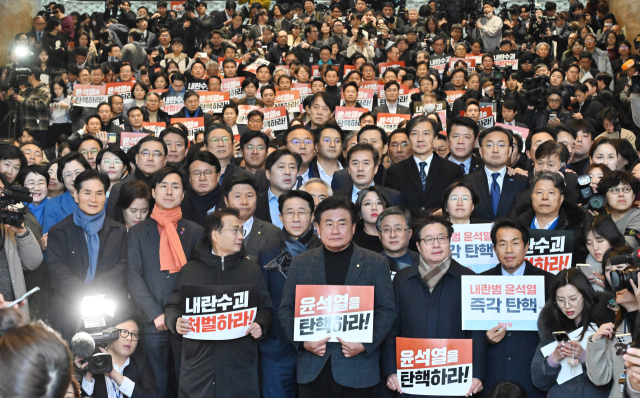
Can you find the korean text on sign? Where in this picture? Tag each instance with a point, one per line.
(550, 250)
(213, 101)
(233, 85)
(513, 302)
(349, 118)
(275, 118)
(219, 312)
(334, 311)
(434, 366)
(127, 140)
(88, 96)
(471, 246)
(288, 99)
(389, 121)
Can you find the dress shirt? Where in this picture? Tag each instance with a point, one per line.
(518, 272)
(273, 209)
(500, 179)
(550, 225)
(393, 108)
(466, 163)
(323, 174)
(247, 227)
(113, 391)
(356, 191)
(428, 160)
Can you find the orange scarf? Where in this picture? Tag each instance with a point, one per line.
(172, 257)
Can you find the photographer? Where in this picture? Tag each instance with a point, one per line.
(584, 107)
(34, 102)
(553, 114)
(131, 375)
(619, 188)
(360, 44)
(55, 44)
(561, 35)
(127, 17)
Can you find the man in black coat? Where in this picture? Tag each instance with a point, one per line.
(509, 354)
(151, 283)
(223, 18)
(280, 167)
(376, 137)
(277, 53)
(220, 368)
(344, 368)
(405, 176)
(428, 301)
(497, 190)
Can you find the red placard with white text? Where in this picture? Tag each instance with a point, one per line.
(194, 125)
(403, 98)
(233, 86)
(365, 98)
(471, 63)
(453, 95)
(315, 70)
(88, 96)
(275, 118)
(122, 88)
(334, 311)
(434, 366)
(384, 65)
(127, 140)
(303, 88)
(349, 118)
(157, 127)
(288, 99)
(346, 69)
(243, 111)
(389, 121)
(213, 100)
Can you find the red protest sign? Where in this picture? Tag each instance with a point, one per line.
(453, 95)
(157, 127)
(389, 121)
(521, 131)
(349, 118)
(275, 118)
(194, 124)
(403, 97)
(384, 65)
(233, 86)
(288, 99)
(243, 111)
(88, 96)
(471, 63)
(334, 311)
(434, 366)
(486, 117)
(121, 88)
(213, 100)
(127, 140)
(365, 98)
(370, 85)
(346, 69)
(476, 58)
(315, 70)
(178, 7)
(303, 88)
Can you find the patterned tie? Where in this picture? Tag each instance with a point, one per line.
(423, 175)
(464, 169)
(39, 36)
(299, 182)
(495, 193)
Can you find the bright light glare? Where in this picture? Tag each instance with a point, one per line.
(95, 306)
(21, 51)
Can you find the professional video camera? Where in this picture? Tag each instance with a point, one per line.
(590, 200)
(10, 197)
(506, 12)
(635, 79)
(534, 90)
(93, 333)
(498, 75)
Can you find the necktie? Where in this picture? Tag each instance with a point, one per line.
(464, 169)
(299, 182)
(39, 36)
(495, 193)
(423, 174)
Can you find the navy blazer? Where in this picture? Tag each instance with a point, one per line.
(150, 287)
(262, 207)
(262, 237)
(476, 163)
(431, 315)
(404, 177)
(394, 196)
(366, 269)
(510, 359)
(511, 187)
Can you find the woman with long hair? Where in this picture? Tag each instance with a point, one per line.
(60, 121)
(599, 234)
(371, 202)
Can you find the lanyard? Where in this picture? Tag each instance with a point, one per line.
(116, 391)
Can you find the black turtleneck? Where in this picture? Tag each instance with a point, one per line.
(140, 176)
(336, 265)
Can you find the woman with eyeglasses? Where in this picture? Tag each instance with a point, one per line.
(134, 202)
(113, 161)
(131, 373)
(371, 202)
(36, 179)
(619, 189)
(204, 194)
(573, 306)
(458, 202)
(604, 363)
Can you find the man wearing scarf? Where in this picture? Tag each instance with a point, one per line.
(192, 108)
(151, 157)
(204, 194)
(278, 355)
(86, 254)
(158, 249)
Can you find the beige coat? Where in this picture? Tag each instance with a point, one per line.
(624, 134)
(603, 364)
(22, 253)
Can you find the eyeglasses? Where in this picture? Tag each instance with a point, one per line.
(115, 162)
(398, 231)
(215, 140)
(298, 141)
(562, 303)
(251, 147)
(623, 48)
(72, 175)
(199, 173)
(124, 333)
(489, 145)
(33, 184)
(234, 230)
(442, 239)
(155, 154)
(255, 121)
(454, 198)
(328, 141)
(616, 190)
(153, 101)
(555, 101)
(85, 152)
(291, 214)
(607, 124)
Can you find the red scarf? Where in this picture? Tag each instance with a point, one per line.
(172, 257)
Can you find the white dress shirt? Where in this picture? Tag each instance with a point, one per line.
(247, 227)
(113, 391)
(428, 160)
(323, 174)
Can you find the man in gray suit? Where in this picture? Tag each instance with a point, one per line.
(133, 53)
(241, 194)
(391, 105)
(342, 369)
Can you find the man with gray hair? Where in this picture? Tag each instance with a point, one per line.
(318, 189)
(213, 69)
(395, 234)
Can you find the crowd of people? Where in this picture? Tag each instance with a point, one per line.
(241, 202)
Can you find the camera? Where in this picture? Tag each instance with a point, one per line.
(591, 201)
(621, 280)
(635, 79)
(534, 91)
(11, 197)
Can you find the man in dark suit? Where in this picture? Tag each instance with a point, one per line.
(362, 163)
(509, 112)
(422, 178)
(148, 40)
(281, 170)
(395, 234)
(391, 105)
(497, 190)
(509, 354)
(219, 141)
(378, 139)
(223, 18)
(328, 150)
(342, 369)
(240, 193)
(428, 301)
(151, 276)
(463, 133)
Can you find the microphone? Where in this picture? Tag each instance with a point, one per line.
(630, 63)
(632, 258)
(82, 345)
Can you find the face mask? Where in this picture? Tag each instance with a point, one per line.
(114, 59)
(608, 25)
(94, 23)
(429, 108)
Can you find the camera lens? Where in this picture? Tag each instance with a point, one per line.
(99, 361)
(616, 278)
(596, 202)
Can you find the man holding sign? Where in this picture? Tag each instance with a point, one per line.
(428, 301)
(509, 354)
(343, 368)
(220, 357)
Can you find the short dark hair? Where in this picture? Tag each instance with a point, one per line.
(116, 150)
(68, 158)
(327, 126)
(616, 178)
(249, 135)
(542, 129)
(238, 179)
(206, 157)
(363, 148)
(91, 174)
(11, 152)
(154, 139)
(161, 174)
(513, 223)
(383, 135)
(555, 178)
(601, 141)
(431, 219)
(335, 203)
(276, 155)
(293, 128)
(213, 222)
(296, 194)
(328, 100)
(494, 129)
(464, 122)
(41, 170)
(174, 130)
(132, 190)
(550, 148)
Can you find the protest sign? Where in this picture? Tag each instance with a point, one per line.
(315, 70)
(121, 88)
(221, 60)
(370, 85)
(385, 65)
(197, 85)
(454, 95)
(439, 63)
(303, 88)
(365, 98)
(275, 118)
(513, 302)
(471, 63)
(486, 117)
(233, 86)
(349, 118)
(504, 58)
(476, 58)
(89, 96)
(471, 246)
(219, 312)
(550, 250)
(434, 366)
(178, 7)
(213, 100)
(243, 111)
(403, 95)
(127, 140)
(521, 131)
(173, 102)
(288, 99)
(194, 125)
(346, 69)
(156, 127)
(253, 68)
(334, 311)
(389, 121)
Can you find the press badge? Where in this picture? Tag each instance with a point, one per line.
(111, 138)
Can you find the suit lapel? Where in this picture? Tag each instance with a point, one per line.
(506, 196)
(256, 233)
(154, 235)
(482, 188)
(78, 245)
(414, 174)
(434, 170)
(355, 266)
(103, 234)
(319, 271)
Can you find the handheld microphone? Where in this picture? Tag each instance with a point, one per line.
(632, 258)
